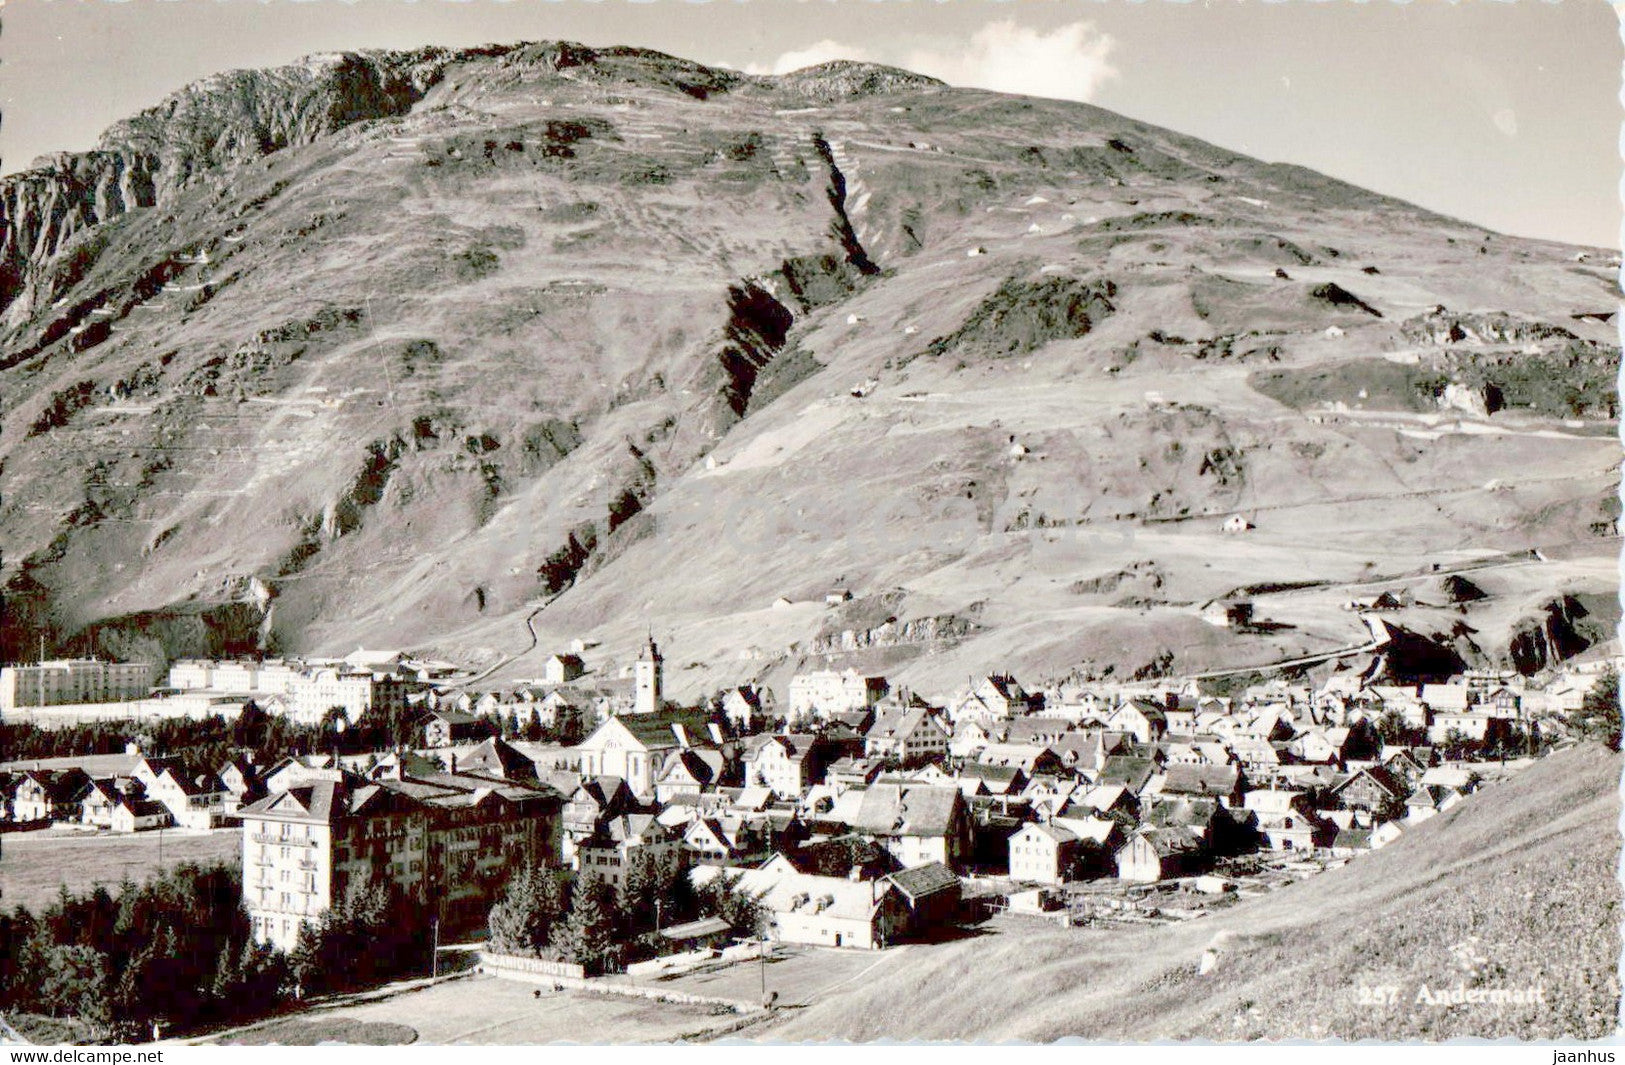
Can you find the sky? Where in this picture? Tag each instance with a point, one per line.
(1505, 114)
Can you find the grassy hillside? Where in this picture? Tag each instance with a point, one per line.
(1516, 887)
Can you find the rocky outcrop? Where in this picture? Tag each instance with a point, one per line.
(845, 79)
(1443, 327)
(1559, 630)
(939, 628)
(1024, 315)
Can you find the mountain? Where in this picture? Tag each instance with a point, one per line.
(1514, 888)
(482, 351)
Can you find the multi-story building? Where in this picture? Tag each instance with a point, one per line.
(235, 676)
(791, 763)
(445, 839)
(68, 681)
(828, 692)
(355, 692)
(610, 852)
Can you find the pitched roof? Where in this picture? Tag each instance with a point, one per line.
(1201, 780)
(1057, 833)
(923, 881)
(499, 758)
(905, 810)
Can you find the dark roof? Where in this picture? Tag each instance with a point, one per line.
(1132, 773)
(1382, 776)
(1201, 780)
(655, 730)
(498, 758)
(923, 881)
(1352, 837)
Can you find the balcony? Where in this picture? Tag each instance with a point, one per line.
(281, 841)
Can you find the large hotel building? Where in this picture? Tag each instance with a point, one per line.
(447, 839)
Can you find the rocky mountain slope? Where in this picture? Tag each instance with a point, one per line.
(445, 349)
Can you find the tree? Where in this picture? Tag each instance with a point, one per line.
(74, 983)
(587, 936)
(1598, 717)
(723, 897)
(522, 921)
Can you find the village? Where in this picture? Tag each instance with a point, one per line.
(852, 815)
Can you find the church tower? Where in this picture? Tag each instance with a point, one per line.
(648, 699)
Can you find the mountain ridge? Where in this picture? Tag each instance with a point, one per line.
(575, 316)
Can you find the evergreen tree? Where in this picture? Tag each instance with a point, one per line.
(587, 936)
(1598, 717)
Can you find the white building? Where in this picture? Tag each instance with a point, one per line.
(828, 692)
(69, 681)
(648, 698)
(238, 677)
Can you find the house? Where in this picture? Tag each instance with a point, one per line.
(1098, 837)
(138, 815)
(444, 728)
(1284, 819)
(1043, 854)
(725, 840)
(241, 778)
(1130, 771)
(1373, 789)
(1031, 759)
(746, 706)
(1351, 841)
(97, 803)
(689, 772)
(1228, 613)
(915, 824)
(1477, 724)
(1150, 855)
(562, 668)
(49, 794)
(594, 801)
(1140, 718)
(907, 737)
(970, 737)
(634, 747)
(1221, 782)
(788, 764)
(852, 773)
(824, 911)
(977, 778)
(931, 894)
(996, 697)
(819, 694)
(1202, 819)
(620, 842)
(196, 801)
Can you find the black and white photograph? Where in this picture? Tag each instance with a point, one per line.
(762, 521)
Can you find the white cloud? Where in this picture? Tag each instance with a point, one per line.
(818, 52)
(1506, 120)
(1067, 63)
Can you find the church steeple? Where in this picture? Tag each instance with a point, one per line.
(649, 699)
